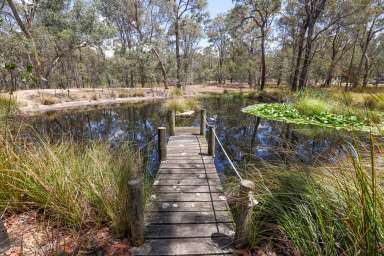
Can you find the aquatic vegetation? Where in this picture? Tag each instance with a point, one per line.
(288, 113)
(77, 186)
(313, 106)
(180, 105)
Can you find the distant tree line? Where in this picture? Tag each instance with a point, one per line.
(131, 43)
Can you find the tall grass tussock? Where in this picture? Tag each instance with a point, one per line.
(327, 211)
(77, 186)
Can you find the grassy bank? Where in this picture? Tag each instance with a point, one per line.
(75, 186)
(338, 210)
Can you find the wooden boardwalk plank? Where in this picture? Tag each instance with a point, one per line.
(187, 189)
(187, 247)
(202, 230)
(188, 206)
(188, 212)
(188, 217)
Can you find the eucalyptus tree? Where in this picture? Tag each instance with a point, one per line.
(178, 11)
(262, 13)
(372, 25)
(51, 32)
(218, 36)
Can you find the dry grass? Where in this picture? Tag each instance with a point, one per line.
(48, 99)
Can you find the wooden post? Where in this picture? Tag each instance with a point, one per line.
(162, 143)
(4, 239)
(241, 221)
(136, 211)
(211, 141)
(172, 122)
(203, 122)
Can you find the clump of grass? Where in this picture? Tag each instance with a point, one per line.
(8, 105)
(47, 99)
(78, 186)
(347, 98)
(180, 105)
(374, 102)
(338, 211)
(177, 92)
(313, 106)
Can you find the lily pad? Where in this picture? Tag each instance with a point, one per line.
(288, 113)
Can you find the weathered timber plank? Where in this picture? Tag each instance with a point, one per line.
(188, 217)
(187, 189)
(188, 230)
(188, 206)
(187, 197)
(187, 182)
(189, 166)
(186, 247)
(181, 176)
(186, 170)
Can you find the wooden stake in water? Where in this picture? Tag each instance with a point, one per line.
(211, 141)
(162, 143)
(172, 122)
(136, 211)
(203, 122)
(246, 186)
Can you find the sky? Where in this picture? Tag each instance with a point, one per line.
(216, 7)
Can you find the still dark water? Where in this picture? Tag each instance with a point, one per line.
(246, 138)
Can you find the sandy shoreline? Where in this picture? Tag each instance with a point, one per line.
(40, 101)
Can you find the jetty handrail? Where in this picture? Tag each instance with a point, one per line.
(224, 151)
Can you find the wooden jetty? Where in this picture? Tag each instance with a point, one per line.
(188, 212)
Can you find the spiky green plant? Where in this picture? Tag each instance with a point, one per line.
(79, 186)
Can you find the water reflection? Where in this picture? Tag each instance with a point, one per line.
(245, 137)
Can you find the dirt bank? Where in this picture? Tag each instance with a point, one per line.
(38, 101)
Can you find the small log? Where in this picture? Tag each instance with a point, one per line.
(203, 122)
(246, 186)
(211, 142)
(162, 143)
(4, 239)
(136, 211)
(172, 122)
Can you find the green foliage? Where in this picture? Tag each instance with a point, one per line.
(74, 185)
(288, 113)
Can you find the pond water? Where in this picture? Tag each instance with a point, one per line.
(246, 138)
